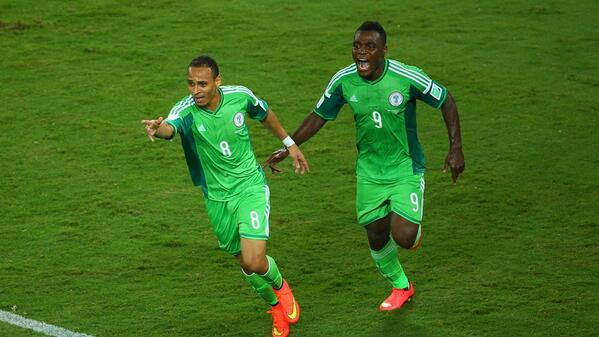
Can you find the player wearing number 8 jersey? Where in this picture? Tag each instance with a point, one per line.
(217, 143)
(218, 150)
(382, 94)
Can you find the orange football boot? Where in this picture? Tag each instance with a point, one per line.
(280, 326)
(397, 298)
(291, 307)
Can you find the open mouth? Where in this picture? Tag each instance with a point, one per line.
(362, 64)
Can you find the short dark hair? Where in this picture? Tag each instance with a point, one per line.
(205, 61)
(373, 26)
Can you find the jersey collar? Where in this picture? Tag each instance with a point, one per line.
(222, 98)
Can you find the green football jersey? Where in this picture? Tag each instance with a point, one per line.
(385, 115)
(217, 144)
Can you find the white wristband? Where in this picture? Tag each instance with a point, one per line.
(288, 142)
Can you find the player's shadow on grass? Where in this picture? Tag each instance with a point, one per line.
(399, 323)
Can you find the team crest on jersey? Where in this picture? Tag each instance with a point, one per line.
(238, 119)
(395, 98)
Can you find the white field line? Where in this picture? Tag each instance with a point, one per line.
(46, 329)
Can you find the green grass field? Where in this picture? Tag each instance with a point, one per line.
(102, 232)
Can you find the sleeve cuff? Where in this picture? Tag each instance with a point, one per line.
(174, 130)
(442, 101)
(322, 116)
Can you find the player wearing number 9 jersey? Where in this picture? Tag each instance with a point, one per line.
(382, 94)
(211, 122)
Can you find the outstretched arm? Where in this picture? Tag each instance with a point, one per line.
(158, 128)
(455, 157)
(306, 130)
(309, 128)
(273, 125)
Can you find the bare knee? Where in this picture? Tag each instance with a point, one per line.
(254, 263)
(406, 241)
(406, 234)
(253, 256)
(378, 233)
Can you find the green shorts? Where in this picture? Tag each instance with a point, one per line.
(404, 197)
(245, 216)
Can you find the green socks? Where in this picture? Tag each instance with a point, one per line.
(262, 288)
(273, 275)
(387, 262)
(263, 284)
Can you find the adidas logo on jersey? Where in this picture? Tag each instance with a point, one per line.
(201, 128)
(353, 98)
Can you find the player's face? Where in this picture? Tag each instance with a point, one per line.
(203, 87)
(369, 54)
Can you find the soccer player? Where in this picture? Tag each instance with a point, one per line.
(382, 94)
(220, 158)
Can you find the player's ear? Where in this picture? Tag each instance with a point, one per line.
(385, 50)
(217, 80)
